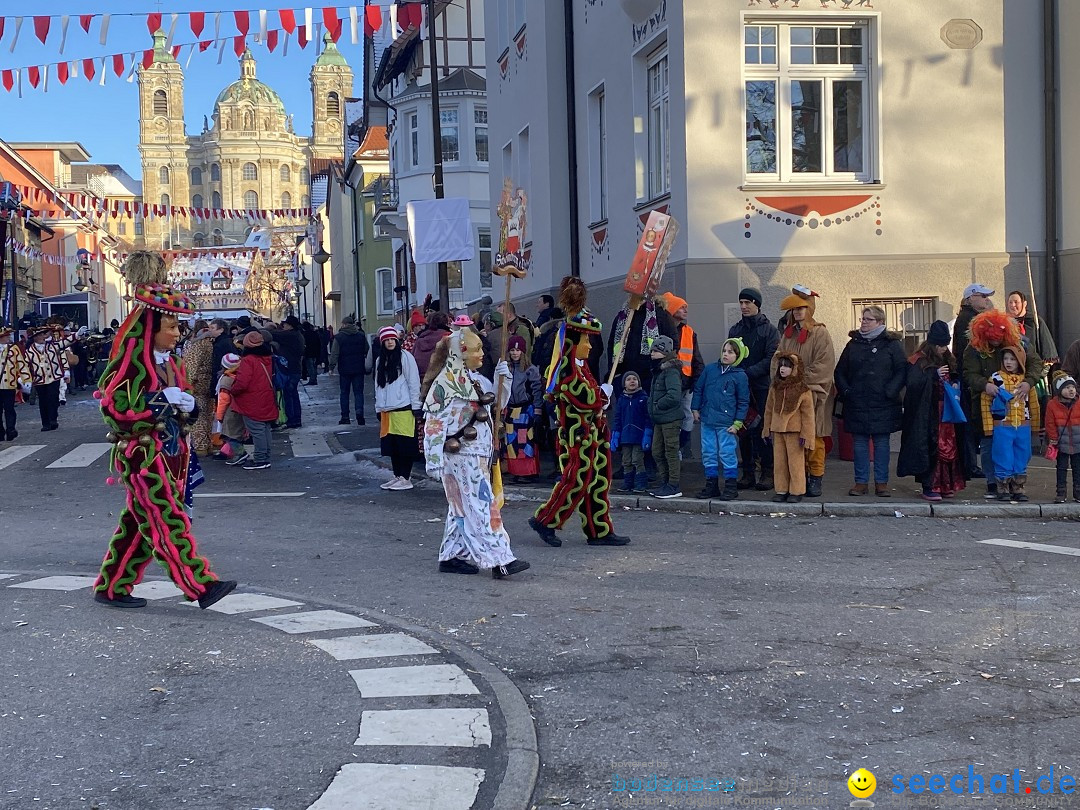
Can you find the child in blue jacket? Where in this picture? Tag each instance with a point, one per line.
(631, 430)
(721, 399)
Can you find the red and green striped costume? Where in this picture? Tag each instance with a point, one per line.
(151, 459)
(584, 448)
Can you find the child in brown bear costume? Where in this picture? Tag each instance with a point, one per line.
(789, 421)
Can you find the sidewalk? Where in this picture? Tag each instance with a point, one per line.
(321, 411)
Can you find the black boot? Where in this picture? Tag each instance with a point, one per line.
(546, 534)
(122, 601)
(731, 490)
(765, 483)
(457, 566)
(712, 489)
(216, 592)
(608, 540)
(747, 479)
(513, 567)
(1059, 496)
(628, 482)
(813, 486)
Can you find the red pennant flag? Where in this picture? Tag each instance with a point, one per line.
(243, 21)
(301, 36)
(332, 23)
(153, 22)
(84, 21)
(373, 19)
(197, 20)
(204, 44)
(147, 58)
(34, 74)
(1, 27)
(8, 79)
(89, 69)
(415, 15)
(41, 27)
(176, 51)
(118, 64)
(288, 20)
(62, 72)
(271, 40)
(238, 45)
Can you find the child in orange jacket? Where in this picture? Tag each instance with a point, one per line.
(1063, 433)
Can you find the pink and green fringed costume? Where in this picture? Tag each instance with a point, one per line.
(150, 455)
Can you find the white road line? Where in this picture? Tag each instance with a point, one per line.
(82, 456)
(379, 645)
(249, 494)
(994, 541)
(435, 679)
(309, 445)
(367, 786)
(458, 728)
(57, 583)
(247, 603)
(11, 455)
(314, 621)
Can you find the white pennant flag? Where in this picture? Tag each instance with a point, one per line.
(217, 25)
(285, 45)
(262, 25)
(393, 21)
(18, 80)
(221, 51)
(104, 28)
(131, 72)
(73, 69)
(103, 71)
(14, 39)
(172, 30)
(190, 53)
(45, 79)
(423, 22)
(307, 23)
(63, 31)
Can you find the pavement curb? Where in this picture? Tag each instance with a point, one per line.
(522, 751)
(806, 508)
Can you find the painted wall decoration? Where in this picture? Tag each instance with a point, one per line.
(843, 4)
(814, 212)
(654, 23)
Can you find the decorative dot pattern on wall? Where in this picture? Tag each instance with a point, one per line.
(812, 221)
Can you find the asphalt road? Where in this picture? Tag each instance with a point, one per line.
(773, 655)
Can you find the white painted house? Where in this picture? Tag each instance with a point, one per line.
(403, 80)
(891, 151)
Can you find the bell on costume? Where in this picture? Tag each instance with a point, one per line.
(468, 433)
(482, 415)
(451, 445)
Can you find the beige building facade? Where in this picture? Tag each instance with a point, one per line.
(247, 157)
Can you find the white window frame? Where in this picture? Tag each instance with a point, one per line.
(413, 119)
(598, 185)
(784, 73)
(658, 123)
(384, 282)
(455, 125)
(251, 175)
(478, 127)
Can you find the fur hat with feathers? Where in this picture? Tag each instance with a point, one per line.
(572, 295)
(145, 267)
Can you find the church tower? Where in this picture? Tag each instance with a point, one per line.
(331, 84)
(163, 143)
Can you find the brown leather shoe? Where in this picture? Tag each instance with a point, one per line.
(859, 489)
(882, 490)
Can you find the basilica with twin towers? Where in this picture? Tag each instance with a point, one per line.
(247, 156)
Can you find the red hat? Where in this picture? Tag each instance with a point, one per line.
(387, 333)
(417, 319)
(515, 342)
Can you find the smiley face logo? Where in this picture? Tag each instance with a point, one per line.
(862, 784)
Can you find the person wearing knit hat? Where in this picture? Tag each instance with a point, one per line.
(665, 406)
(526, 397)
(584, 440)
(227, 430)
(810, 340)
(932, 440)
(289, 345)
(397, 403)
(761, 339)
(1063, 434)
(147, 404)
(691, 364)
(254, 398)
(721, 403)
(14, 376)
(417, 324)
(351, 358)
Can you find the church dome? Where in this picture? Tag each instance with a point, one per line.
(248, 88)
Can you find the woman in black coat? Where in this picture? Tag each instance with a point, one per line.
(869, 376)
(931, 449)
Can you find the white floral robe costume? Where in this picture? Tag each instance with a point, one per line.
(474, 528)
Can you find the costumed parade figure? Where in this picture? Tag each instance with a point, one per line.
(14, 377)
(459, 447)
(48, 365)
(148, 405)
(584, 442)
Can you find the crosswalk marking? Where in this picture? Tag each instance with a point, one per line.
(381, 645)
(10, 455)
(314, 621)
(994, 541)
(431, 679)
(82, 456)
(458, 728)
(370, 786)
(57, 583)
(249, 602)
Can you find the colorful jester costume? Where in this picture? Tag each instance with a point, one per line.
(584, 441)
(151, 458)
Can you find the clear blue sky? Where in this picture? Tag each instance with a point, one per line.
(105, 119)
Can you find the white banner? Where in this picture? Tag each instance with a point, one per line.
(441, 230)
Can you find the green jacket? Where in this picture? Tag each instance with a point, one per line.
(978, 367)
(666, 394)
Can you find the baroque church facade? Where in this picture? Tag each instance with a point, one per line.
(247, 156)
